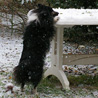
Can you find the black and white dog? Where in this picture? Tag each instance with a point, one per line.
(37, 37)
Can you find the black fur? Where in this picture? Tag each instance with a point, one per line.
(36, 44)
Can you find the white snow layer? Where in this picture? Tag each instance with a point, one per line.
(77, 17)
(10, 52)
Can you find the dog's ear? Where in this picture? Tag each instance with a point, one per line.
(49, 4)
(55, 13)
(39, 5)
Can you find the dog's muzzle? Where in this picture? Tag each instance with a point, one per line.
(55, 13)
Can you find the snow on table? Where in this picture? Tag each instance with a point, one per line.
(77, 17)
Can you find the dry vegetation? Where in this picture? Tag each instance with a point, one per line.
(12, 11)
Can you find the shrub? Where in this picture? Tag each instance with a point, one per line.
(14, 13)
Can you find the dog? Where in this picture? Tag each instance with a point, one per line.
(38, 34)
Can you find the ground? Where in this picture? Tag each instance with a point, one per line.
(10, 52)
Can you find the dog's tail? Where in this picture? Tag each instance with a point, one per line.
(18, 76)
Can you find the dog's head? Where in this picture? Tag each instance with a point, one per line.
(42, 12)
(46, 10)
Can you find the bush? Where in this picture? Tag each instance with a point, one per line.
(14, 13)
(10, 9)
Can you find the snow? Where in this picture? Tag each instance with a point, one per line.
(9, 84)
(10, 52)
(77, 17)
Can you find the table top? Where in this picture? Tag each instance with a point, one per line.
(77, 17)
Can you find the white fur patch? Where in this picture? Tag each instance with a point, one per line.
(56, 18)
(32, 16)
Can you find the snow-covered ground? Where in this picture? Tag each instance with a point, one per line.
(10, 52)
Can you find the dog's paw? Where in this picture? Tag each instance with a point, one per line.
(34, 91)
(56, 18)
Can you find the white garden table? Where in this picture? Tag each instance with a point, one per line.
(69, 18)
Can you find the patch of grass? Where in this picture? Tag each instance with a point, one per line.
(84, 80)
(1, 83)
(49, 86)
(52, 87)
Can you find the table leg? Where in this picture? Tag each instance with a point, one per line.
(57, 59)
